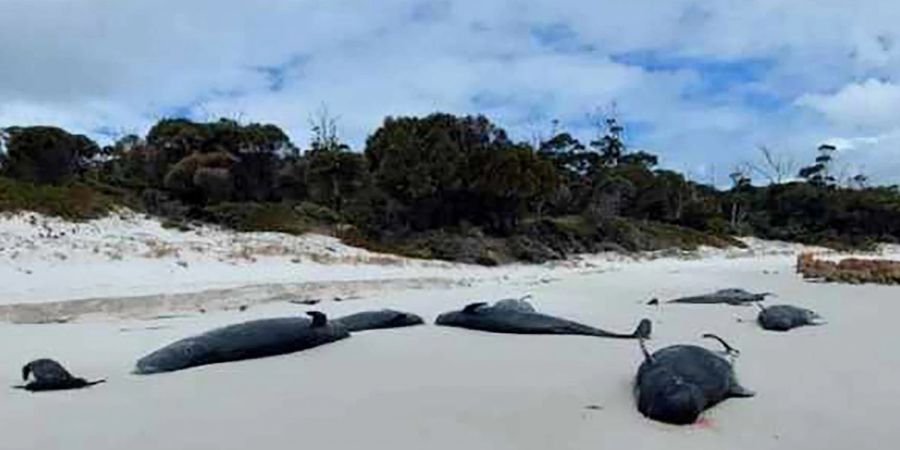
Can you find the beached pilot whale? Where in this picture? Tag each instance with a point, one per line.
(520, 317)
(737, 297)
(253, 339)
(373, 320)
(786, 317)
(48, 375)
(677, 383)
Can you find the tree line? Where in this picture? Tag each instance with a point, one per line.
(446, 183)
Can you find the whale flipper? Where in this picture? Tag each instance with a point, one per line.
(739, 391)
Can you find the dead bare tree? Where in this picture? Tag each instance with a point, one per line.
(842, 176)
(774, 167)
(538, 133)
(741, 181)
(324, 129)
(712, 178)
(852, 177)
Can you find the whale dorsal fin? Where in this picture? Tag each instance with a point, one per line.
(319, 319)
(472, 307)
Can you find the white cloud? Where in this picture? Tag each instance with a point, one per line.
(871, 104)
(85, 64)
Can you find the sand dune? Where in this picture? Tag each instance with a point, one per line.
(829, 387)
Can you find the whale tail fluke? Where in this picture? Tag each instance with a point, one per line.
(643, 330)
(729, 350)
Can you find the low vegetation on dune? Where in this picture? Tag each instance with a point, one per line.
(439, 186)
(849, 270)
(75, 201)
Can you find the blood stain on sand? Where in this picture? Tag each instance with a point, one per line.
(704, 422)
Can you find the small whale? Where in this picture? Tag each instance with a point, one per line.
(253, 339)
(380, 319)
(48, 375)
(520, 317)
(733, 296)
(786, 317)
(677, 383)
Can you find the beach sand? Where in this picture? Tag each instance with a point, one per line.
(429, 387)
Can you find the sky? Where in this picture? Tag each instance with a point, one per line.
(702, 83)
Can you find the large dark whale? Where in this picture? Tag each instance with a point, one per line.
(373, 320)
(49, 375)
(737, 297)
(677, 383)
(519, 317)
(786, 317)
(253, 339)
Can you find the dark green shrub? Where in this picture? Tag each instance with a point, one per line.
(73, 201)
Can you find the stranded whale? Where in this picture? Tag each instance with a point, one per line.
(786, 317)
(677, 383)
(49, 375)
(520, 317)
(737, 297)
(253, 339)
(373, 320)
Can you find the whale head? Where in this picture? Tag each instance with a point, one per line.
(813, 318)
(402, 319)
(178, 355)
(672, 401)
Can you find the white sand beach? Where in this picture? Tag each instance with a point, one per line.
(425, 387)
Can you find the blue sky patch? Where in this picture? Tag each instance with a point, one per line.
(715, 75)
(107, 132)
